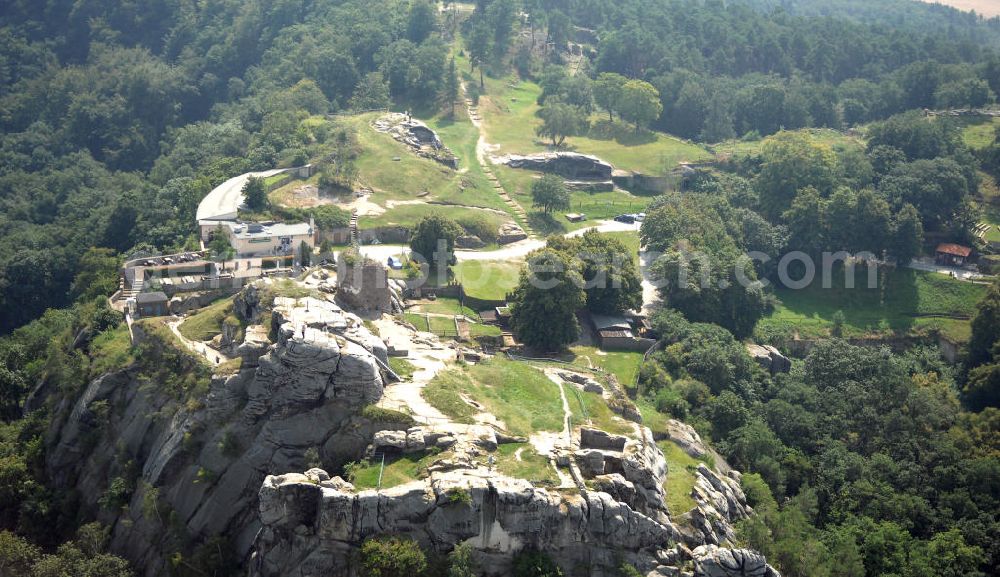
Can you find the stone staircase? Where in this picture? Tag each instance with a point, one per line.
(355, 238)
(515, 206)
(133, 291)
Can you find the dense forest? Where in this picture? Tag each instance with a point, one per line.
(117, 118)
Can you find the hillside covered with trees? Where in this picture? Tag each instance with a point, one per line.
(117, 118)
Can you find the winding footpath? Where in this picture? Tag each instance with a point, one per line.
(482, 146)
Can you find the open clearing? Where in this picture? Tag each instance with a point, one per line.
(509, 107)
(520, 396)
(908, 302)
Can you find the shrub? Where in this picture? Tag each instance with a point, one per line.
(670, 401)
(118, 494)
(461, 563)
(392, 557)
(535, 564)
(460, 496)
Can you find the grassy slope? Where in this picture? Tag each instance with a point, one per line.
(490, 280)
(623, 364)
(902, 306)
(979, 132)
(206, 323)
(518, 394)
(111, 350)
(680, 478)
(509, 110)
(409, 214)
(532, 466)
(832, 138)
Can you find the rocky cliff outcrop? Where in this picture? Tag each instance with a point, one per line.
(174, 467)
(310, 529)
(417, 136)
(191, 463)
(570, 165)
(712, 561)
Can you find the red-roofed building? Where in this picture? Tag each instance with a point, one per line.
(949, 254)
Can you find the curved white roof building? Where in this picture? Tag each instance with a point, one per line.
(224, 201)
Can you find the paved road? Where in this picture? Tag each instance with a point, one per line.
(959, 273)
(513, 251)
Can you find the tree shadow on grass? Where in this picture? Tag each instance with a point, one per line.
(891, 306)
(545, 224)
(621, 133)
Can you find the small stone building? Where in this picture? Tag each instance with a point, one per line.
(153, 304)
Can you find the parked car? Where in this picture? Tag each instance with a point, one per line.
(625, 218)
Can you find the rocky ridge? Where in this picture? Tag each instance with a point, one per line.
(203, 468)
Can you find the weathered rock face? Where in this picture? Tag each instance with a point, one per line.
(769, 358)
(198, 464)
(416, 135)
(364, 285)
(311, 530)
(570, 165)
(510, 232)
(712, 561)
(469, 241)
(720, 502)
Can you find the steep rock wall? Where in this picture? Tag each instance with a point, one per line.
(193, 467)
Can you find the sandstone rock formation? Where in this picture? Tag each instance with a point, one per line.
(220, 464)
(712, 561)
(198, 463)
(310, 530)
(417, 136)
(510, 232)
(769, 358)
(570, 165)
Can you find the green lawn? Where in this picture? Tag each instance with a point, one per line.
(443, 305)
(631, 241)
(489, 280)
(680, 478)
(532, 466)
(408, 215)
(832, 138)
(398, 470)
(980, 132)
(904, 304)
(445, 326)
(623, 364)
(206, 323)
(518, 394)
(596, 205)
(509, 110)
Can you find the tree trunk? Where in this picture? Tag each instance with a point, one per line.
(482, 82)
(611, 115)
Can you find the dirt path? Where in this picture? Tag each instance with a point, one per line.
(213, 356)
(429, 356)
(482, 153)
